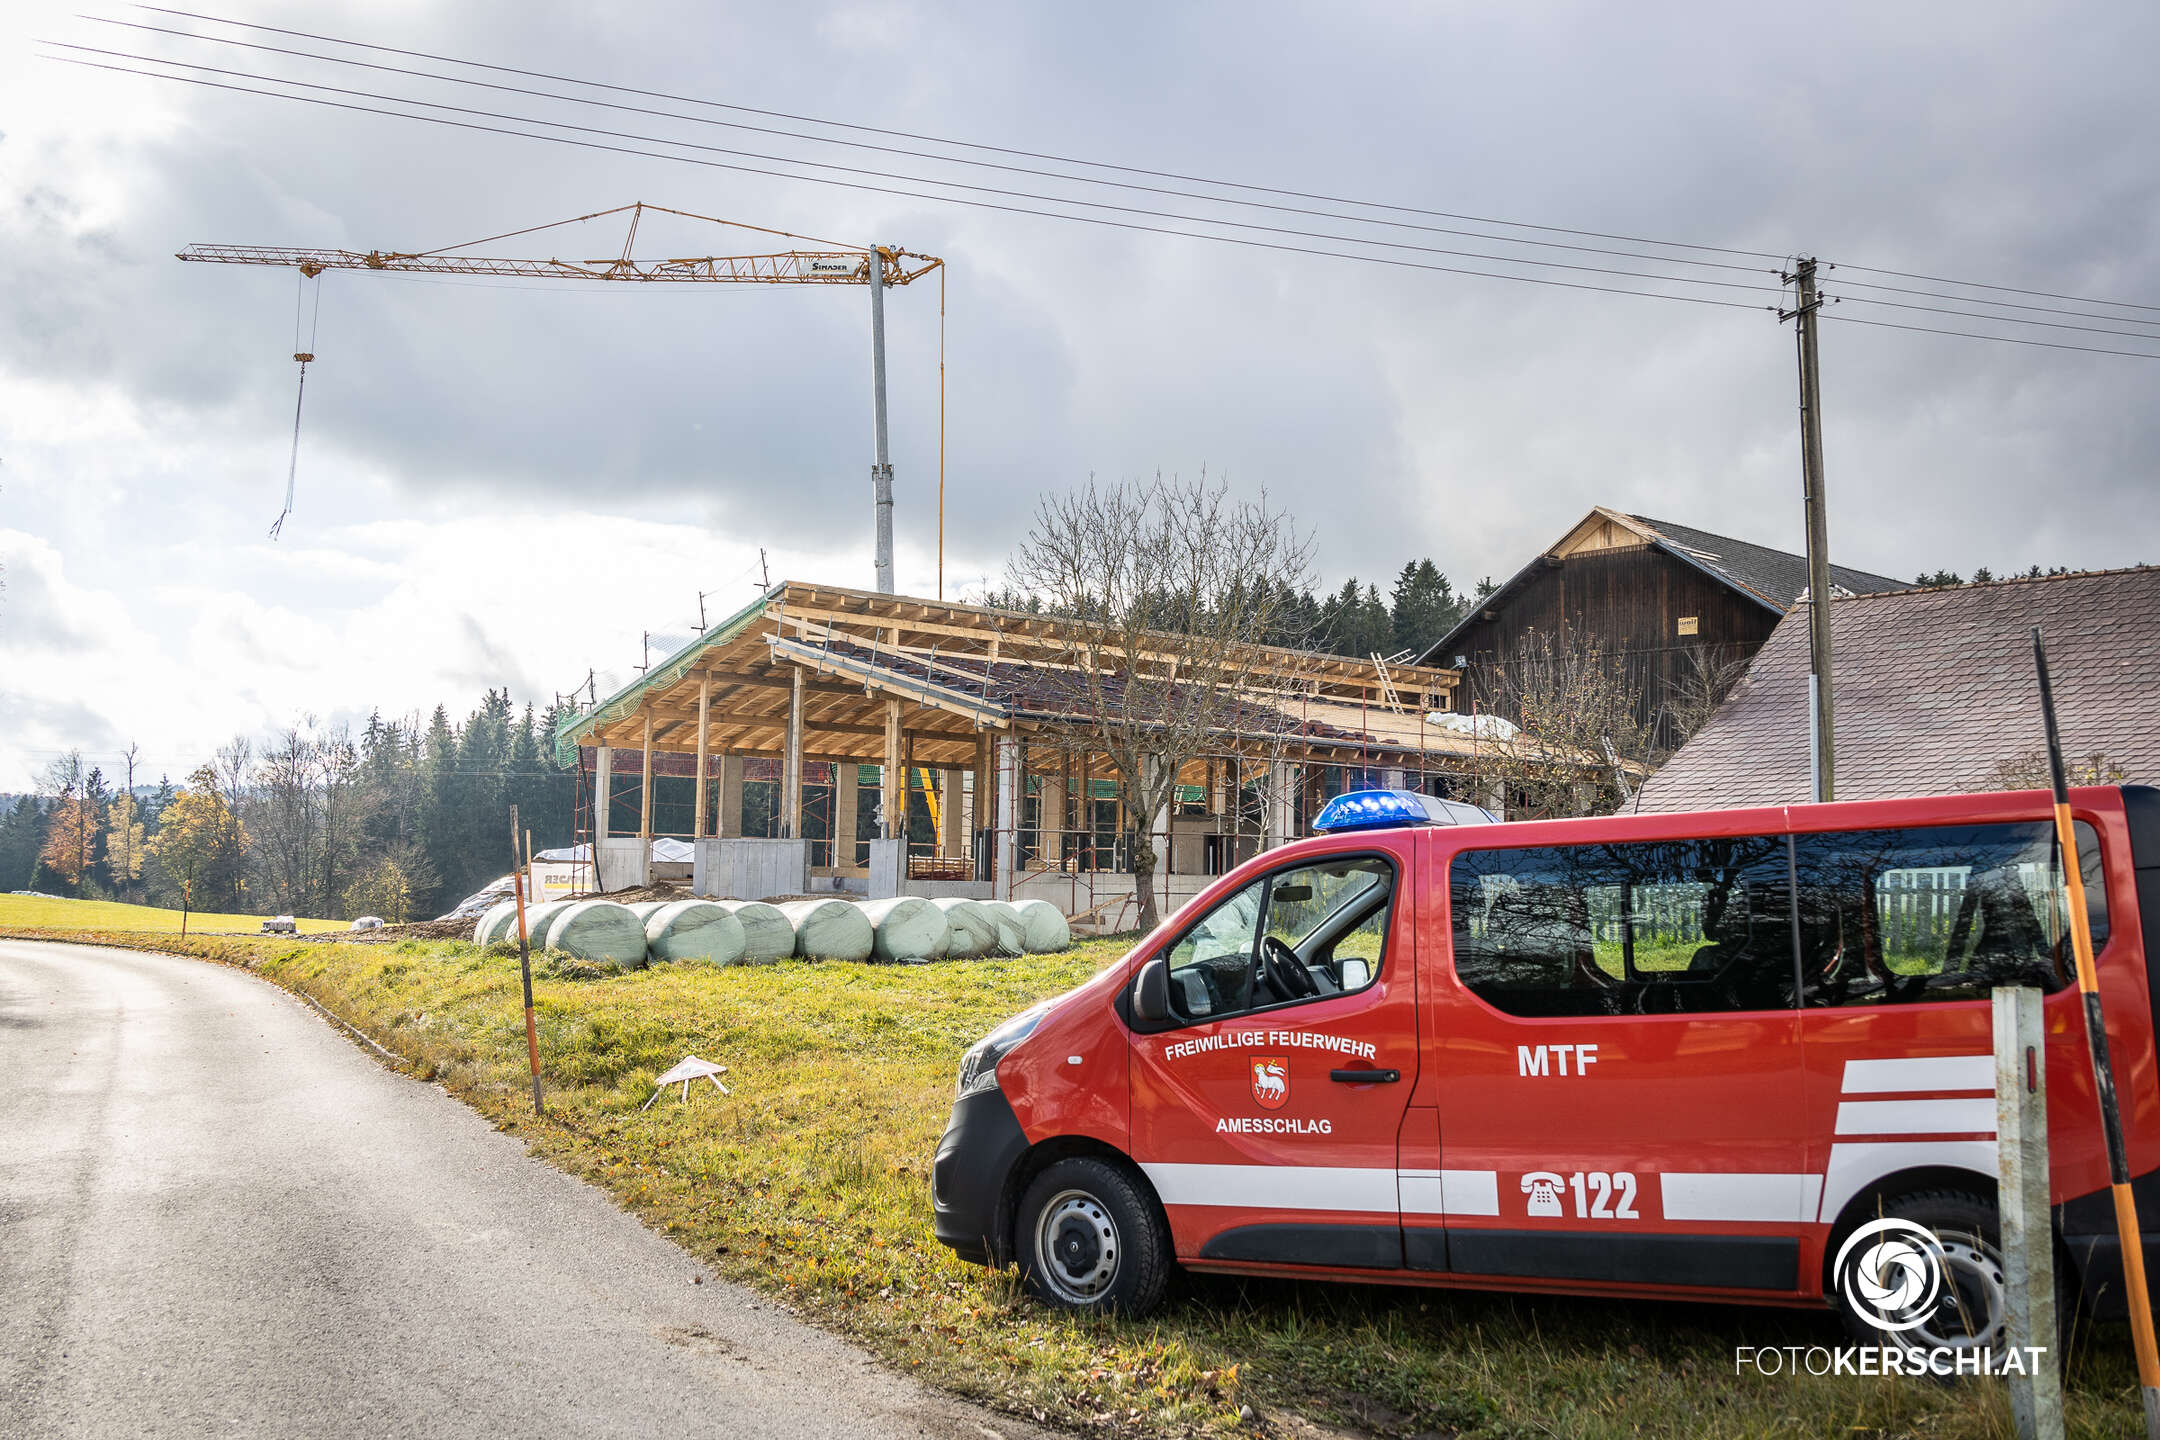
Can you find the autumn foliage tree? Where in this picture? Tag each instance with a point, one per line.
(200, 842)
(71, 840)
(124, 851)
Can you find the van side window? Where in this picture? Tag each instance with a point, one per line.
(1304, 933)
(1938, 912)
(1648, 928)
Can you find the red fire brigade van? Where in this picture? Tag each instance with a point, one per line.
(1659, 1055)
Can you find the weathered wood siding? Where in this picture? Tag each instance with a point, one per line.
(1632, 600)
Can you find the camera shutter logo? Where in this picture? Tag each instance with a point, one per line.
(1891, 1274)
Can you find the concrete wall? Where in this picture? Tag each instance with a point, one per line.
(751, 869)
(942, 889)
(888, 868)
(624, 862)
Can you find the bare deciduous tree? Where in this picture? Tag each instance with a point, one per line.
(1167, 590)
(1579, 746)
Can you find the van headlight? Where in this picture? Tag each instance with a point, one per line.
(978, 1068)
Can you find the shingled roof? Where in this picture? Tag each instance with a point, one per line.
(1935, 689)
(1773, 579)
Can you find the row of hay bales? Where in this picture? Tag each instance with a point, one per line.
(750, 932)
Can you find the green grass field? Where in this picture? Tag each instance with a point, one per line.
(810, 1181)
(35, 912)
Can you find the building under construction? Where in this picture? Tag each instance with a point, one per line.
(832, 739)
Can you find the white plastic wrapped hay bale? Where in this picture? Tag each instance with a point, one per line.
(906, 928)
(644, 909)
(537, 919)
(1011, 934)
(1044, 928)
(830, 929)
(599, 930)
(768, 935)
(499, 922)
(970, 930)
(693, 930)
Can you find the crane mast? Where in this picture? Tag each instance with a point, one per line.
(876, 267)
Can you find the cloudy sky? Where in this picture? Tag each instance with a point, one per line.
(505, 484)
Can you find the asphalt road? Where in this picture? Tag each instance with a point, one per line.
(219, 1216)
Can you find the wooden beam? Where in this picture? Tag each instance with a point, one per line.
(644, 829)
(791, 766)
(704, 749)
(894, 778)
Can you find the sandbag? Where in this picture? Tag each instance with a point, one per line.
(1010, 932)
(537, 919)
(906, 928)
(970, 930)
(829, 929)
(1044, 928)
(599, 930)
(499, 923)
(693, 930)
(768, 935)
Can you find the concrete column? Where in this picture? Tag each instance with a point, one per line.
(1006, 846)
(791, 764)
(1394, 778)
(728, 822)
(704, 748)
(1284, 778)
(845, 790)
(1052, 813)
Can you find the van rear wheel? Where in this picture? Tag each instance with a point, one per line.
(1925, 1273)
(1088, 1239)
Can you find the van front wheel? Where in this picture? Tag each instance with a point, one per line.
(1088, 1240)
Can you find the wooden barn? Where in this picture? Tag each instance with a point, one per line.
(1671, 604)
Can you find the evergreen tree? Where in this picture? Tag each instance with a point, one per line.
(438, 799)
(22, 839)
(1424, 607)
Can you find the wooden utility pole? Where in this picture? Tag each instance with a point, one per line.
(1818, 529)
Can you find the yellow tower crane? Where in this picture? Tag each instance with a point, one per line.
(876, 266)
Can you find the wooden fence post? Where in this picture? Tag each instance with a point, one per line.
(2028, 1232)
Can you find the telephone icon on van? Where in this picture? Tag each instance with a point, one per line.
(1543, 1188)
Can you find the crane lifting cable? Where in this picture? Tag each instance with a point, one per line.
(309, 275)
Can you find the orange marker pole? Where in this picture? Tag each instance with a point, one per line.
(2126, 1221)
(532, 1034)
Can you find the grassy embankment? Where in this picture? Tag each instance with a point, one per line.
(37, 912)
(810, 1181)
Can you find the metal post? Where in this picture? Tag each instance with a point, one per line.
(2127, 1229)
(532, 1032)
(2028, 1232)
(881, 466)
(1818, 529)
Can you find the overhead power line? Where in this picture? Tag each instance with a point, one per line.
(1179, 217)
(955, 144)
(1062, 207)
(912, 194)
(1111, 168)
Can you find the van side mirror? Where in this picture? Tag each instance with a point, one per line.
(1151, 992)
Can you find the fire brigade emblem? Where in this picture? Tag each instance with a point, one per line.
(1271, 1081)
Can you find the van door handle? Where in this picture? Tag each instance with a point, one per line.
(1365, 1077)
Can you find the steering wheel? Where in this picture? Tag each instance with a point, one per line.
(1285, 973)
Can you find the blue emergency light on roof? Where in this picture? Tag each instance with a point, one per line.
(1387, 809)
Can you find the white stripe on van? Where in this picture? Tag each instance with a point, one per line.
(1937, 1072)
(1916, 1117)
(1856, 1165)
(1276, 1187)
(1752, 1196)
(1449, 1192)
(1328, 1187)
